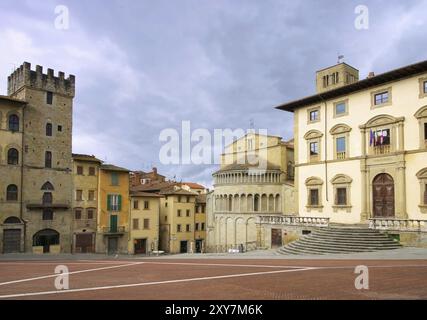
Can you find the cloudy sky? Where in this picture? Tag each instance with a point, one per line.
(144, 66)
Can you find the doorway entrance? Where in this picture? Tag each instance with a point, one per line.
(199, 246)
(183, 247)
(140, 246)
(383, 196)
(11, 240)
(46, 238)
(84, 243)
(113, 245)
(276, 238)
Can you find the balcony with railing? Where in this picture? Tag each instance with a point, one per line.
(114, 230)
(341, 155)
(295, 221)
(397, 224)
(382, 149)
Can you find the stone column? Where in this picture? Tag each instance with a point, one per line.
(400, 190)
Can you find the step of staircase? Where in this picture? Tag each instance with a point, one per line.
(340, 240)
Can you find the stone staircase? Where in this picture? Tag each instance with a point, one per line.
(340, 240)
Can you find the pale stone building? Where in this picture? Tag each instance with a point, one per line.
(145, 214)
(36, 125)
(246, 189)
(361, 148)
(85, 202)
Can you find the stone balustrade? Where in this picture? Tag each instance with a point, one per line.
(398, 224)
(294, 221)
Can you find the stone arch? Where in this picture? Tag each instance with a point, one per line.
(422, 174)
(46, 238)
(264, 204)
(278, 203)
(341, 178)
(229, 202)
(240, 231)
(251, 232)
(339, 128)
(243, 203)
(381, 120)
(47, 186)
(236, 203)
(271, 203)
(421, 113)
(257, 202)
(12, 220)
(250, 203)
(229, 235)
(313, 181)
(313, 134)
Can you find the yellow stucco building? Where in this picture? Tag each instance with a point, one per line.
(145, 214)
(361, 148)
(85, 202)
(114, 210)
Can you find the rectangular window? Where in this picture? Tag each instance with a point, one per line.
(78, 214)
(90, 214)
(188, 199)
(114, 179)
(425, 194)
(114, 202)
(59, 128)
(91, 171)
(48, 129)
(166, 204)
(91, 195)
(135, 224)
(47, 214)
(146, 205)
(379, 137)
(48, 159)
(187, 228)
(314, 148)
(146, 223)
(49, 97)
(197, 227)
(425, 86)
(314, 197)
(188, 213)
(314, 115)
(79, 195)
(179, 213)
(179, 198)
(341, 147)
(425, 131)
(203, 226)
(341, 199)
(166, 218)
(340, 108)
(178, 228)
(80, 170)
(136, 204)
(381, 98)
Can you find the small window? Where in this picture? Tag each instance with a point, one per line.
(381, 98)
(340, 108)
(188, 228)
(166, 204)
(59, 128)
(78, 214)
(203, 208)
(91, 195)
(314, 148)
(425, 86)
(341, 198)
(179, 212)
(146, 205)
(314, 115)
(47, 214)
(48, 159)
(114, 179)
(90, 214)
(79, 170)
(91, 171)
(13, 156)
(188, 213)
(425, 131)
(179, 198)
(314, 197)
(166, 218)
(146, 223)
(49, 97)
(14, 123)
(197, 227)
(203, 226)
(79, 195)
(48, 129)
(12, 193)
(135, 224)
(178, 228)
(136, 204)
(188, 198)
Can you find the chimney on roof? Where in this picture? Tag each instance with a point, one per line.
(155, 170)
(371, 74)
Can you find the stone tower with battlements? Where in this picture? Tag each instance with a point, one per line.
(47, 190)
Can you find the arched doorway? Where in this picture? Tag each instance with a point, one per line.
(12, 235)
(383, 196)
(46, 238)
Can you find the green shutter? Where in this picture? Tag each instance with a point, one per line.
(120, 202)
(109, 202)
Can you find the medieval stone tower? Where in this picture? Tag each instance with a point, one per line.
(46, 159)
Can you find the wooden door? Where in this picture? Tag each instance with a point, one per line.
(276, 238)
(140, 246)
(11, 240)
(383, 196)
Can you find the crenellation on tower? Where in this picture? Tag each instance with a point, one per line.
(25, 77)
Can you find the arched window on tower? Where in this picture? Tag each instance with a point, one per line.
(13, 156)
(48, 129)
(13, 123)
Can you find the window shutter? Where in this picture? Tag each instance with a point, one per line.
(120, 202)
(109, 202)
